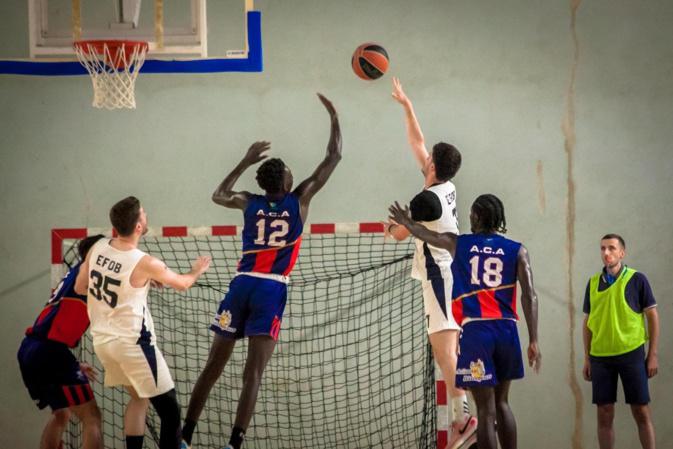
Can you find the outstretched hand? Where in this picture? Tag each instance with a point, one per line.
(398, 93)
(328, 105)
(201, 264)
(256, 152)
(399, 215)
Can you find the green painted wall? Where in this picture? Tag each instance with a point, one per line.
(492, 77)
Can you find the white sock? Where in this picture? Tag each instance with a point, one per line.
(461, 408)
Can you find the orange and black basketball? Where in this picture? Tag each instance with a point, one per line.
(370, 61)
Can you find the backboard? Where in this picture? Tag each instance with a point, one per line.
(184, 36)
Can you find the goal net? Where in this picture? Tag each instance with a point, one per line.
(352, 368)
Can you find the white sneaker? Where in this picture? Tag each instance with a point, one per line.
(461, 432)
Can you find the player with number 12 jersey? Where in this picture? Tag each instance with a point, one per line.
(254, 305)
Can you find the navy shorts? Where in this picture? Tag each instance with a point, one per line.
(490, 353)
(630, 367)
(253, 306)
(52, 374)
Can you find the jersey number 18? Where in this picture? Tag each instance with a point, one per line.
(492, 271)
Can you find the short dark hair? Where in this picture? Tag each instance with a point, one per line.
(125, 215)
(271, 175)
(490, 213)
(447, 160)
(85, 245)
(615, 236)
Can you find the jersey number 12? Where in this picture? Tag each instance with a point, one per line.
(280, 229)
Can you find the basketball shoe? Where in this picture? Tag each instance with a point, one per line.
(461, 432)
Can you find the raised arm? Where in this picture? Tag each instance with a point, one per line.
(154, 269)
(414, 133)
(524, 274)
(224, 195)
(401, 216)
(311, 185)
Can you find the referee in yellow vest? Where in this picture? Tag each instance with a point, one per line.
(620, 319)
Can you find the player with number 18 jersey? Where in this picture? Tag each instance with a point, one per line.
(484, 290)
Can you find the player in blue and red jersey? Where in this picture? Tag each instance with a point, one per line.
(486, 268)
(254, 305)
(51, 372)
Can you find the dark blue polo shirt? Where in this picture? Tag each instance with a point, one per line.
(638, 292)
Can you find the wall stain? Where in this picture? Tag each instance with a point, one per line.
(541, 197)
(568, 128)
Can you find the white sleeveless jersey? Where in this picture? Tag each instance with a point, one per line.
(116, 309)
(429, 261)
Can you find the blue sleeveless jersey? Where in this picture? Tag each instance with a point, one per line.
(64, 319)
(271, 235)
(484, 277)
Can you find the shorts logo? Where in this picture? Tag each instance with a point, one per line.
(225, 321)
(477, 370)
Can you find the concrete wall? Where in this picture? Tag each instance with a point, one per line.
(573, 136)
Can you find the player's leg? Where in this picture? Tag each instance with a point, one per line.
(444, 349)
(633, 373)
(168, 409)
(267, 304)
(605, 414)
(90, 417)
(134, 419)
(508, 363)
(227, 326)
(220, 351)
(604, 378)
(260, 349)
(443, 333)
(52, 434)
(641, 413)
(504, 416)
(484, 397)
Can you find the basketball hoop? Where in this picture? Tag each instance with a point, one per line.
(113, 66)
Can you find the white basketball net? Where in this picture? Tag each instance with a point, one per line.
(113, 68)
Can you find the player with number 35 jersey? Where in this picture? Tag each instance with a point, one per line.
(116, 277)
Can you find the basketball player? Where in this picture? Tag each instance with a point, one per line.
(254, 305)
(435, 207)
(117, 275)
(51, 372)
(486, 268)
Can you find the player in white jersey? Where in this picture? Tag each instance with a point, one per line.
(435, 207)
(116, 278)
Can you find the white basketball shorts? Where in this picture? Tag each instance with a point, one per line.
(141, 366)
(437, 302)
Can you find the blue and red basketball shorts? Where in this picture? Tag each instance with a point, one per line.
(490, 353)
(52, 374)
(253, 306)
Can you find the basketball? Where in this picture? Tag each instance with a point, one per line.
(370, 61)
